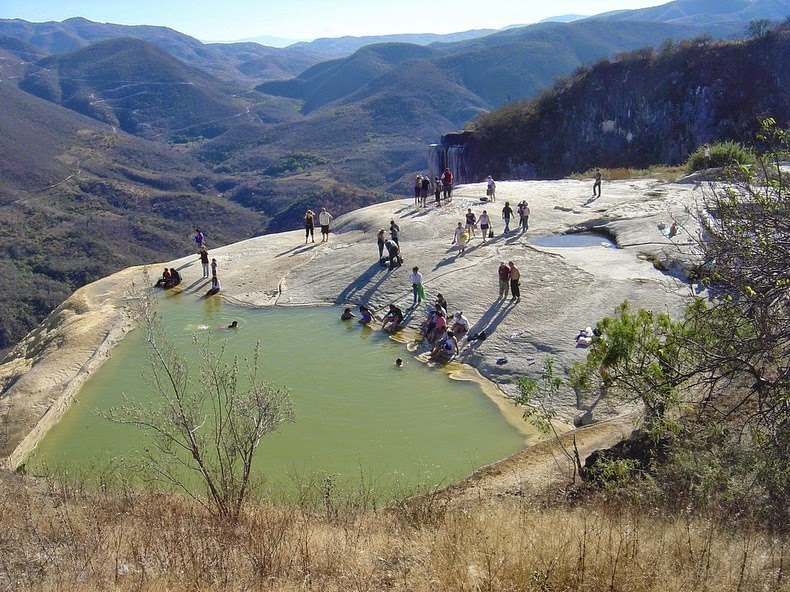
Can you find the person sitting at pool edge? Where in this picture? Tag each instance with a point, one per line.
(367, 315)
(393, 318)
(215, 287)
(446, 347)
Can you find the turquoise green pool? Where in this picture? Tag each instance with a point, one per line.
(359, 418)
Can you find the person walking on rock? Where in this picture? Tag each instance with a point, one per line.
(471, 222)
(504, 279)
(507, 214)
(515, 282)
(324, 218)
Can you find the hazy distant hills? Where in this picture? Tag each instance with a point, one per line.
(136, 86)
(146, 132)
(706, 12)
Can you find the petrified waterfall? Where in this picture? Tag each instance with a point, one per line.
(451, 152)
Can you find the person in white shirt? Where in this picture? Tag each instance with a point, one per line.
(324, 218)
(417, 289)
(461, 325)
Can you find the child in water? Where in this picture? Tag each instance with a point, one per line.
(347, 315)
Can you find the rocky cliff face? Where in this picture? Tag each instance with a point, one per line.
(646, 108)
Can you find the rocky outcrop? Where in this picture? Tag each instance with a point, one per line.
(645, 108)
(563, 289)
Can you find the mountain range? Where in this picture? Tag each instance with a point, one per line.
(116, 141)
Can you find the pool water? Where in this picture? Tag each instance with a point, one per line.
(358, 417)
(577, 239)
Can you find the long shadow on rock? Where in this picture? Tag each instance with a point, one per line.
(364, 286)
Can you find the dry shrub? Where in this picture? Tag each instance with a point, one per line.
(55, 538)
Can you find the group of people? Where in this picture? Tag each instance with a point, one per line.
(509, 280)
(522, 210)
(170, 279)
(443, 333)
(441, 187)
(324, 220)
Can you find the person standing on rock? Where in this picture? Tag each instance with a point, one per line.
(424, 191)
(395, 232)
(597, 183)
(204, 260)
(437, 187)
(214, 268)
(515, 281)
(200, 239)
(504, 279)
(381, 238)
(324, 218)
(484, 224)
(507, 214)
(490, 188)
(447, 184)
(309, 225)
(417, 189)
(417, 289)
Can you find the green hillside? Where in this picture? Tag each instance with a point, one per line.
(645, 108)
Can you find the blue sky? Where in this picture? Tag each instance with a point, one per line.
(230, 20)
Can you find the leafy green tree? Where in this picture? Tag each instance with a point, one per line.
(726, 363)
(210, 425)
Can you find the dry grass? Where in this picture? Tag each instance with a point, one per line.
(54, 538)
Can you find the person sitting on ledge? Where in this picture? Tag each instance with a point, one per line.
(175, 279)
(215, 287)
(446, 348)
(162, 281)
(393, 318)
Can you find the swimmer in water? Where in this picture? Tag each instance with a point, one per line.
(399, 363)
(347, 314)
(233, 325)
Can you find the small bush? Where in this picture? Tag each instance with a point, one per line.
(721, 155)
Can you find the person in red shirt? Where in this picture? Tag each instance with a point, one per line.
(447, 183)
